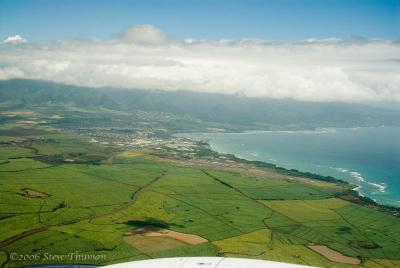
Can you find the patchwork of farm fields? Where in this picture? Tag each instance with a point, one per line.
(63, 200)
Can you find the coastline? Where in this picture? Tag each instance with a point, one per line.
(363, 156)
(352, 194)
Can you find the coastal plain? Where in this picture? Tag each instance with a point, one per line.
(63, 193)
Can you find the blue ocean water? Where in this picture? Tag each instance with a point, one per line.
(368, 157)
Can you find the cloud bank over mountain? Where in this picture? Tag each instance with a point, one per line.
(144, 57)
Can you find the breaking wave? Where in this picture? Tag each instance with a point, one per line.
(357, 176)
(381, 187)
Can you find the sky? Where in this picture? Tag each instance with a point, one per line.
(319, 50)
(44, 20)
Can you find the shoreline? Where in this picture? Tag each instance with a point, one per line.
(352, 194)
(367, 185)
(361, 199)
(296, 130)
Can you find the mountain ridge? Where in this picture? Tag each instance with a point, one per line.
(259, 113)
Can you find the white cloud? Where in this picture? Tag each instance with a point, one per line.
(10, 72)
(144, 34)
(15, 39)
(145, 58)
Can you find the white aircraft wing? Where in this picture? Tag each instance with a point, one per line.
(204, 262)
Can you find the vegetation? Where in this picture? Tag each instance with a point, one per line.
(81, 172)
(91, 208)
(190, 111)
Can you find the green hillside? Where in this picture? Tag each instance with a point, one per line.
(214, 110)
